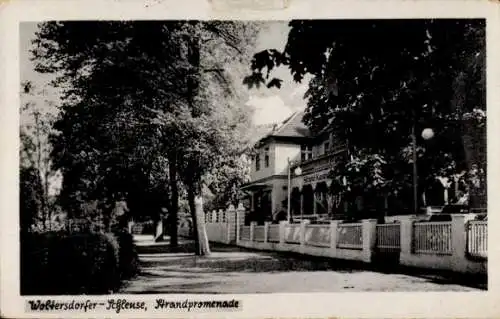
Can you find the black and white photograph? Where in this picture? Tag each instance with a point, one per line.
(225, 157)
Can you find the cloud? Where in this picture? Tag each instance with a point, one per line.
(270, 109)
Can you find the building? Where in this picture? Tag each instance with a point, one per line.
(289, 153)
(291, 148)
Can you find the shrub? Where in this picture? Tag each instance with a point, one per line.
(69, 263)
(127, 254)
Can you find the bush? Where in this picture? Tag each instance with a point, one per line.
(69, 263)
(127, 254)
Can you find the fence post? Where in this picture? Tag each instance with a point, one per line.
(130, 225)
(334, 225)
(302, 233)
(369, 237)
(221, 216)
(282, 230)
(252, 227)
(406, 238)
(459, 240)
(266, 231)
(240, 215)
(231, 223)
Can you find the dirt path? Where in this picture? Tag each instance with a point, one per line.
(234, 270)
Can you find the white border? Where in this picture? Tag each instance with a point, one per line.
(429, 304)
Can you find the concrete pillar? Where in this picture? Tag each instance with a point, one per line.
(369, 231)
(221, 218)
(214, 216)
(130, 225)
(266, 231)
(302, 232)
(282, 226)
(334, 224)
(406, 237)
(445, 195)
(240, 220)
(459, 240)
(231, 223)
(252, 227)
(329, 203)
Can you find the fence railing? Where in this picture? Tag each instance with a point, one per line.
(388, 237)
(432, 238)
(292, 233)
(350, 236)
(258, 233)
(318, 235)
(477, 238)
(273, 233)
(245, 232)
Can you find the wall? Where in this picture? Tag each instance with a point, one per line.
(457, 261)
(283, 152)
(264, 171)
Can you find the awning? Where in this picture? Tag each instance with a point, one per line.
(255, 186)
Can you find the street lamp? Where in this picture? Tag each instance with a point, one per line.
(297, 172)
(427, 134)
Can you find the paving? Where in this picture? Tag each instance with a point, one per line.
(232, 270)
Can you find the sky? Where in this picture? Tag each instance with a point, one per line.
(270, 105)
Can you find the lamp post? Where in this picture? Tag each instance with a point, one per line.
(427, 134)
(297, 172)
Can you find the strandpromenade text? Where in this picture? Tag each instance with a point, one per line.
(125, 305)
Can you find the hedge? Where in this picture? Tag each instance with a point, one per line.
(59, 263)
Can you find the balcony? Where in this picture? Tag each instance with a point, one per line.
(322, 162)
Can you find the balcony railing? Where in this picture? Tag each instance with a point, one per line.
(321, 162)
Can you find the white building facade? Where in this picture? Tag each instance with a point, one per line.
(284, 149)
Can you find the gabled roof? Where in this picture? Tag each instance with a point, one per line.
(292, 127)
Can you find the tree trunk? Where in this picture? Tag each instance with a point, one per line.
(158, 226)
(202, 247)
(39, 169)
(174, 201)
(459, 99)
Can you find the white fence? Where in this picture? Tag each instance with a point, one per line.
(245, 233)
(477, 239)
(292, 233)
(273, 233)
(259, 233)
(388, 237)
(459, 245)
(433, 238)
(217, 232)
(318, 235)
(350, 236)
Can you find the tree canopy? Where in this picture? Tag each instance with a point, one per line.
(374, 81)
(139, 116)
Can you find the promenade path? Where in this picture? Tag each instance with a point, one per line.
(231, 270)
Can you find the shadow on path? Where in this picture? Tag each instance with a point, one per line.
(232, 269)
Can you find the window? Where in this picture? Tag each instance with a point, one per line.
(326, 147)
(257, 162)
(305, 152)
(266, 156)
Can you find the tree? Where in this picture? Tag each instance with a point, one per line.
(108, 146)
(30, 195)
(132, 104)
(373, 82)
(35, 128)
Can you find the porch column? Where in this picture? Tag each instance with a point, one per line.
(301, 203)
(315, 199)
(329, 198)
